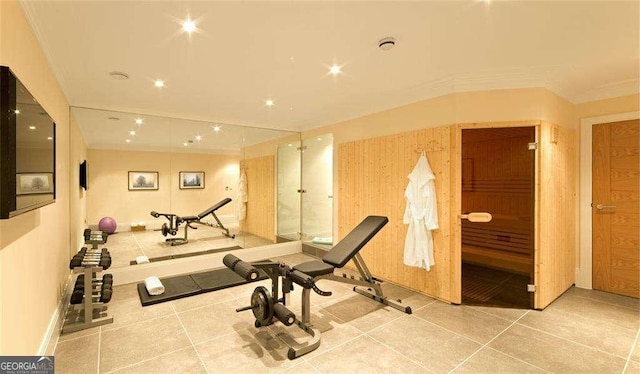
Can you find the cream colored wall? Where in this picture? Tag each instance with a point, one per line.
(616, 105)
(108, 193)
(34, 246)
(78, 197)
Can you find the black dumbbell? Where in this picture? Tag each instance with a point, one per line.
(104, 296)
(103, 262)
(107, 279)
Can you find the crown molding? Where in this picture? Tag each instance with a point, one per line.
(608, 91)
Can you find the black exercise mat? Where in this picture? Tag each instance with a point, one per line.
(223, 278)
(193, 284)
(174, 288)
(190, 254)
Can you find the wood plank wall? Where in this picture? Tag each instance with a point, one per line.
(372, 177)
(260, 218)
(556, 251)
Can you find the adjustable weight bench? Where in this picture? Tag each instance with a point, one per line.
(175, 221)
(268, 308)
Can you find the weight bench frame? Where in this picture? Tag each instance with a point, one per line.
(175, 221)
(346, 250)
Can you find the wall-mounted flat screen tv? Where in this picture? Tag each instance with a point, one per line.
(27, 149)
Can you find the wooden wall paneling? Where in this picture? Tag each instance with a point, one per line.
(372, 179)
(260, 220)
(557, 227)
(454, 220)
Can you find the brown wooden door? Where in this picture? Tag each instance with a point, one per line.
(616, 227)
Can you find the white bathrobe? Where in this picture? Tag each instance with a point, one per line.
(421, 214)
(242, 196)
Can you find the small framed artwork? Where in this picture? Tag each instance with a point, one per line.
(143, 180)
(191, 180)
(34, 183)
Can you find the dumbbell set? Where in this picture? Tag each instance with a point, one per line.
(101, 289)
(91, 258)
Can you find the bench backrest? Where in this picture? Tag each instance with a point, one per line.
(351, 244)
(214, 208)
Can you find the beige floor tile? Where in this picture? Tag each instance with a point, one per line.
(364, 355)
(635, 354)
(435, 348)
(302, 367)
(124, 292)
(124, 258)
(137, 342)
(78, 334)
(611, 298)
(182, 361)
(473, 324)
(408, 297)
(492, 361)
(244, 351)
(130, 311)
(215, 320)
(601, 335)
(244, 292)
(68, 354)
(509, 314)
(597, 310)
(554, 354)
(633, 367)
(363, 313)
(198, 301)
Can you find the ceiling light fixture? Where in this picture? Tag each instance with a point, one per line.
(386, 43)
(139, 121)
(32, 127)
(128, 140)
(189, 26)
(268, 102)
(198, 137)
(158, 83)
(119, 75)
(132, 132)
(185, 144)
(216, 128)
(335, 69)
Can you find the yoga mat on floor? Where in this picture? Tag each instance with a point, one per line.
(193, 284)
(183, 255)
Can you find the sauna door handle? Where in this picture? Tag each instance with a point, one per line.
(600, 206)
(477, 217)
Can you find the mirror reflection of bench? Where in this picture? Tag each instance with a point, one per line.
(505, 243)
(175, 221)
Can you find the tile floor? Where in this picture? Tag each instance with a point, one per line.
(491, 287)
(582, 332)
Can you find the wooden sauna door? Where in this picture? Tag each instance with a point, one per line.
(615, 216)
(498, 177)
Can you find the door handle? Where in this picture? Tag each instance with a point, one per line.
(600, 206)
(477, 217)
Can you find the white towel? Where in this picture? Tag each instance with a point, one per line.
(142, 260)
(154, 286)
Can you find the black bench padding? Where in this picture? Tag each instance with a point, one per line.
(314, 268)
(214, 208)
(344, 251)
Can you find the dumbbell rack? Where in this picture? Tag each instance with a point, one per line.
(75, 321)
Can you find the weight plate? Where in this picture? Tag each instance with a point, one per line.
(262, 306)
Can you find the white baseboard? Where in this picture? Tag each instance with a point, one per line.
(138, 273)
(51, 336)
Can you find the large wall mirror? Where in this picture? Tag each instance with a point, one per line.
(138, 164)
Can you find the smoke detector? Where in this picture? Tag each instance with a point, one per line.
(386, 43)
(119, 75)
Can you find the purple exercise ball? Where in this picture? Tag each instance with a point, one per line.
(108, 225)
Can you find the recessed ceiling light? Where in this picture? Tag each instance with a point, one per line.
(139, 121)
(188, 26)
(198, 137)
(319, 138)
(216, 128)
(289, 144)
(386, 43)
(335, 69)
(128, 140)
(119, 75)
(17, 111)
(268, 102)
(49, 137)
(185, 144)
(132, 132)
(158, 83)
(32, 127)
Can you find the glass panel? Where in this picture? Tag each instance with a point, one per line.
(288, 180)
(317, 182)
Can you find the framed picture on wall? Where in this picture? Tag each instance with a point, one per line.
(191, 180)
(143, 180)
(34, 183)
